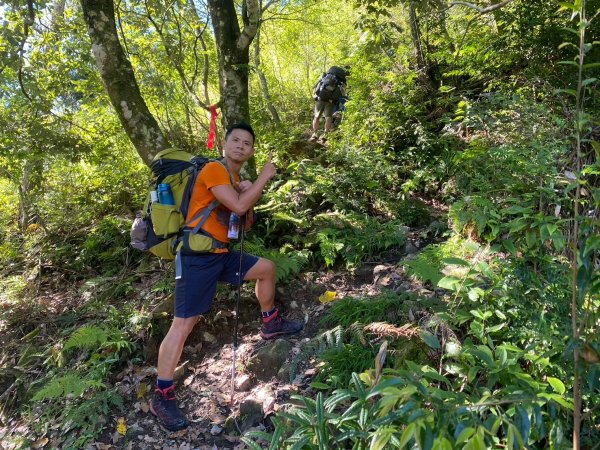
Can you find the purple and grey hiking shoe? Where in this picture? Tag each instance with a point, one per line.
(164, 406)
(276, 326)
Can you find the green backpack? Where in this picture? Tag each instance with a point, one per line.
(162, 229)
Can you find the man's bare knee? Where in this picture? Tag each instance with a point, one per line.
(263, 269)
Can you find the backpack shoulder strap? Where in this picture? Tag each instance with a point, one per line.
(204, 213)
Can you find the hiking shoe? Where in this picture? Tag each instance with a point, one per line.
(314, 136)
(278, 326)
(164, 406)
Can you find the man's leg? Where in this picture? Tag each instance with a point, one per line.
(172, 346)
(163, 404)
(319, 106)
(273, 325)
(327, 124)
(194, 292)
(315, 123)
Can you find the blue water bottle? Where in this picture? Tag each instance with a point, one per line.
(165, 196)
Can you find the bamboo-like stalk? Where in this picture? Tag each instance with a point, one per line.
(579, 102)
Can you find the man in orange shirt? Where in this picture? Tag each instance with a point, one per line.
(195, 289)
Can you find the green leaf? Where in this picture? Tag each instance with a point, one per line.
(451, 283)
(557, 385)
(567, 63)
(572, 92)
(567, 5)
(408, 434)
(381, 437)
(473, 371)
(591, 66)
(589, 81)
(465, 434)
(495, 328)
(441, 443)
(456, 261)
(430, 339)
(509, 246)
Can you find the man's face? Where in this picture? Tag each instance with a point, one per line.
(239, 146)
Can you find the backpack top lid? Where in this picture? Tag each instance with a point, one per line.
(173, 160)
(339, 73)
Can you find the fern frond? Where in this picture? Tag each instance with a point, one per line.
(357, 331)
(86, 337)
(330, 339)
(384, 329)
(63, 386)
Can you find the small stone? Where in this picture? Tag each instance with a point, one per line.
(243, 383)
(216, 429)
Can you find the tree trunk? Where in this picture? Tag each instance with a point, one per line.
(415, 33)
(233, 47)
(119, 80)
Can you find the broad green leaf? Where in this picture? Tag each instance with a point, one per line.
(381, 437)
(456, 261)
(567, 5)
(557, 385)
(430, 339)
(572, 92)
(465, 434)
(495, 328)
(449, 282)
(441, 443)
(408, 434)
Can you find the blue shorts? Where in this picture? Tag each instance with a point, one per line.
(195, 290)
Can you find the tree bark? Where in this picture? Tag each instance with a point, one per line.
(233, 47)
(119, 80)
(415, 33)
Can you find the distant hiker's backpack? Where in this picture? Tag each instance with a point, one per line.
(161, 228)
(339, 72)
(328, 88)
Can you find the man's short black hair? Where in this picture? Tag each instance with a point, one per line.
(242, 126)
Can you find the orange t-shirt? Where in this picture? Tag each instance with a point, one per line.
(212, 174)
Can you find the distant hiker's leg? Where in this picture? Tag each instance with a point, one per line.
(264, 274)
(319, 108)
(327, 124)
(172, 346)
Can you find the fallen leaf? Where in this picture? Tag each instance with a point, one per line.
(145, 407)
(40, 443)
(142, 390)
(328, 296)
(121, 426)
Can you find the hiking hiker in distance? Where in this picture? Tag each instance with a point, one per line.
(328, 91)
(200, 272)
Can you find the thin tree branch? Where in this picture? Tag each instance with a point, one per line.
(479, 9)
(28, 22)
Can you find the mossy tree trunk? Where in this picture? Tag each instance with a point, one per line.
(119, 80)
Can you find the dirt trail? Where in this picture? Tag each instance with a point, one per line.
(204, 381)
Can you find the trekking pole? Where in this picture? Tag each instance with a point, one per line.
(237, 306)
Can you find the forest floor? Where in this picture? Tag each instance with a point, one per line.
(203, 381)
(204, 378)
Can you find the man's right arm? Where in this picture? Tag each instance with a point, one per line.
(241, 202)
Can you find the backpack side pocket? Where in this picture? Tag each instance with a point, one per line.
(166, 219)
